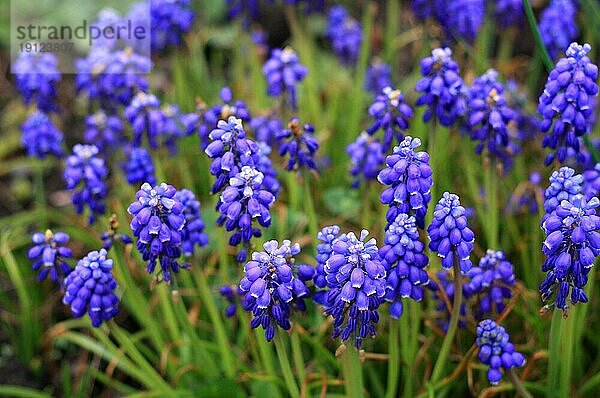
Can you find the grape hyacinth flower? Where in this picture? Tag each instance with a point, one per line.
(104, 131)
(326, 236)
(299, 143)
(242, 201)
(566, 103)
(366, 158)
(441, 87)
(345, 34)
(112, 235)
(489, 117)
(91, 286)
(283, 72)
(490, 281)
(356, 286)
(409, 177)
(462, 18)
(49, 254)
(591, 182)
(145, 116)
(564, 185)
(558, 25)
(391, 114)
(192, 233)
(157, 223)
(266, 128)
(274, 286)
(496, 351)
(510, 12)
(40, 137)
(265, 166)
(405, 262)
(449, 234)
(572, 245)
(378, 77)
(169, 20)
(230, 293)
(85, 173)
(36, 76)
(139, 167)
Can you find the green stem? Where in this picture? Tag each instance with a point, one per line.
(222, 242)
(309, 207)
(215, 318)
(554, 357)
(442, 358)
(491, 195)
(392, 13)
(40, 193)
(298, 358)
(284, 362)
(266, 354)
(393, 360)
(568, 342)
(519, 387)
(353, 377)
(536, 34)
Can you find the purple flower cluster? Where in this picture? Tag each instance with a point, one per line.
(266, 128)
(558, 25)
(496, 351)
(274, 286)
(591, 182)
(139, 167)
(405, 262)
(366, 157)
(299, 143)
(564, 185)
(91, 286)
(242, 201)
(157, 224)
(283, 72)
(356, 284)
(510, 12)
(36, 76)
(441, 87)
(378, 77)
(49, 255)
(490, 281)
(345, 34)
(566, 105)
(409, 177)
(40, 137)
(391, 114)
(85, 173)
(169, 20)
(571, 246)
(103, 131)
(449, 234)
(489, 116)
(192, 233)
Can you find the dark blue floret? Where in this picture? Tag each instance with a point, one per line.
(49, 255)
(36, 76)
(274, 286)
(139, 167)
(299, 143)
(157, 223)
(449, 234)
(283, 72)
(345, 34)
(85, 174)
(91, 286)
(192, 233)
(391, 114)
(566, 104)
(104, 131)
(496, 351)
(366, 157)
(558, 25)
(40, 137)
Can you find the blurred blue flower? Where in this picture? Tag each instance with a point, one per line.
(49, 255)
(266, 128)
(299, 143)
(591, 182)
(496, 351)
(169, 21)
(112, 235)
(36, 76)
(146, 119)
(378, 77)
(510, 12)
(104, 131)
(85, 174)
(461, 18)
(192, 233)
(345, 34)
(40, 137)
(366, 158)
(139, 167)
(391, 114)
(558, 25)
(283, 72)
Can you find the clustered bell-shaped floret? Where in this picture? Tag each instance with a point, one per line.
(496, 351)
(449, 233)
(564, 185)
(355, 280)
(391, 114)
(49, 253)
(441, 88)
(192, 234)
(571, 246)
(345, 34)
(299, 143)
(410, 179)
(591, 183)
(283, 72)
(85, 173)
(403, 257)
(104, 131)
(139, 167)
(91, 287)
(490, 281)
(274, 285)
(558, 25)
(40, 137)
(366, 158)
(566, 103)
(36, 75)
(157, 223)
(326, 236)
